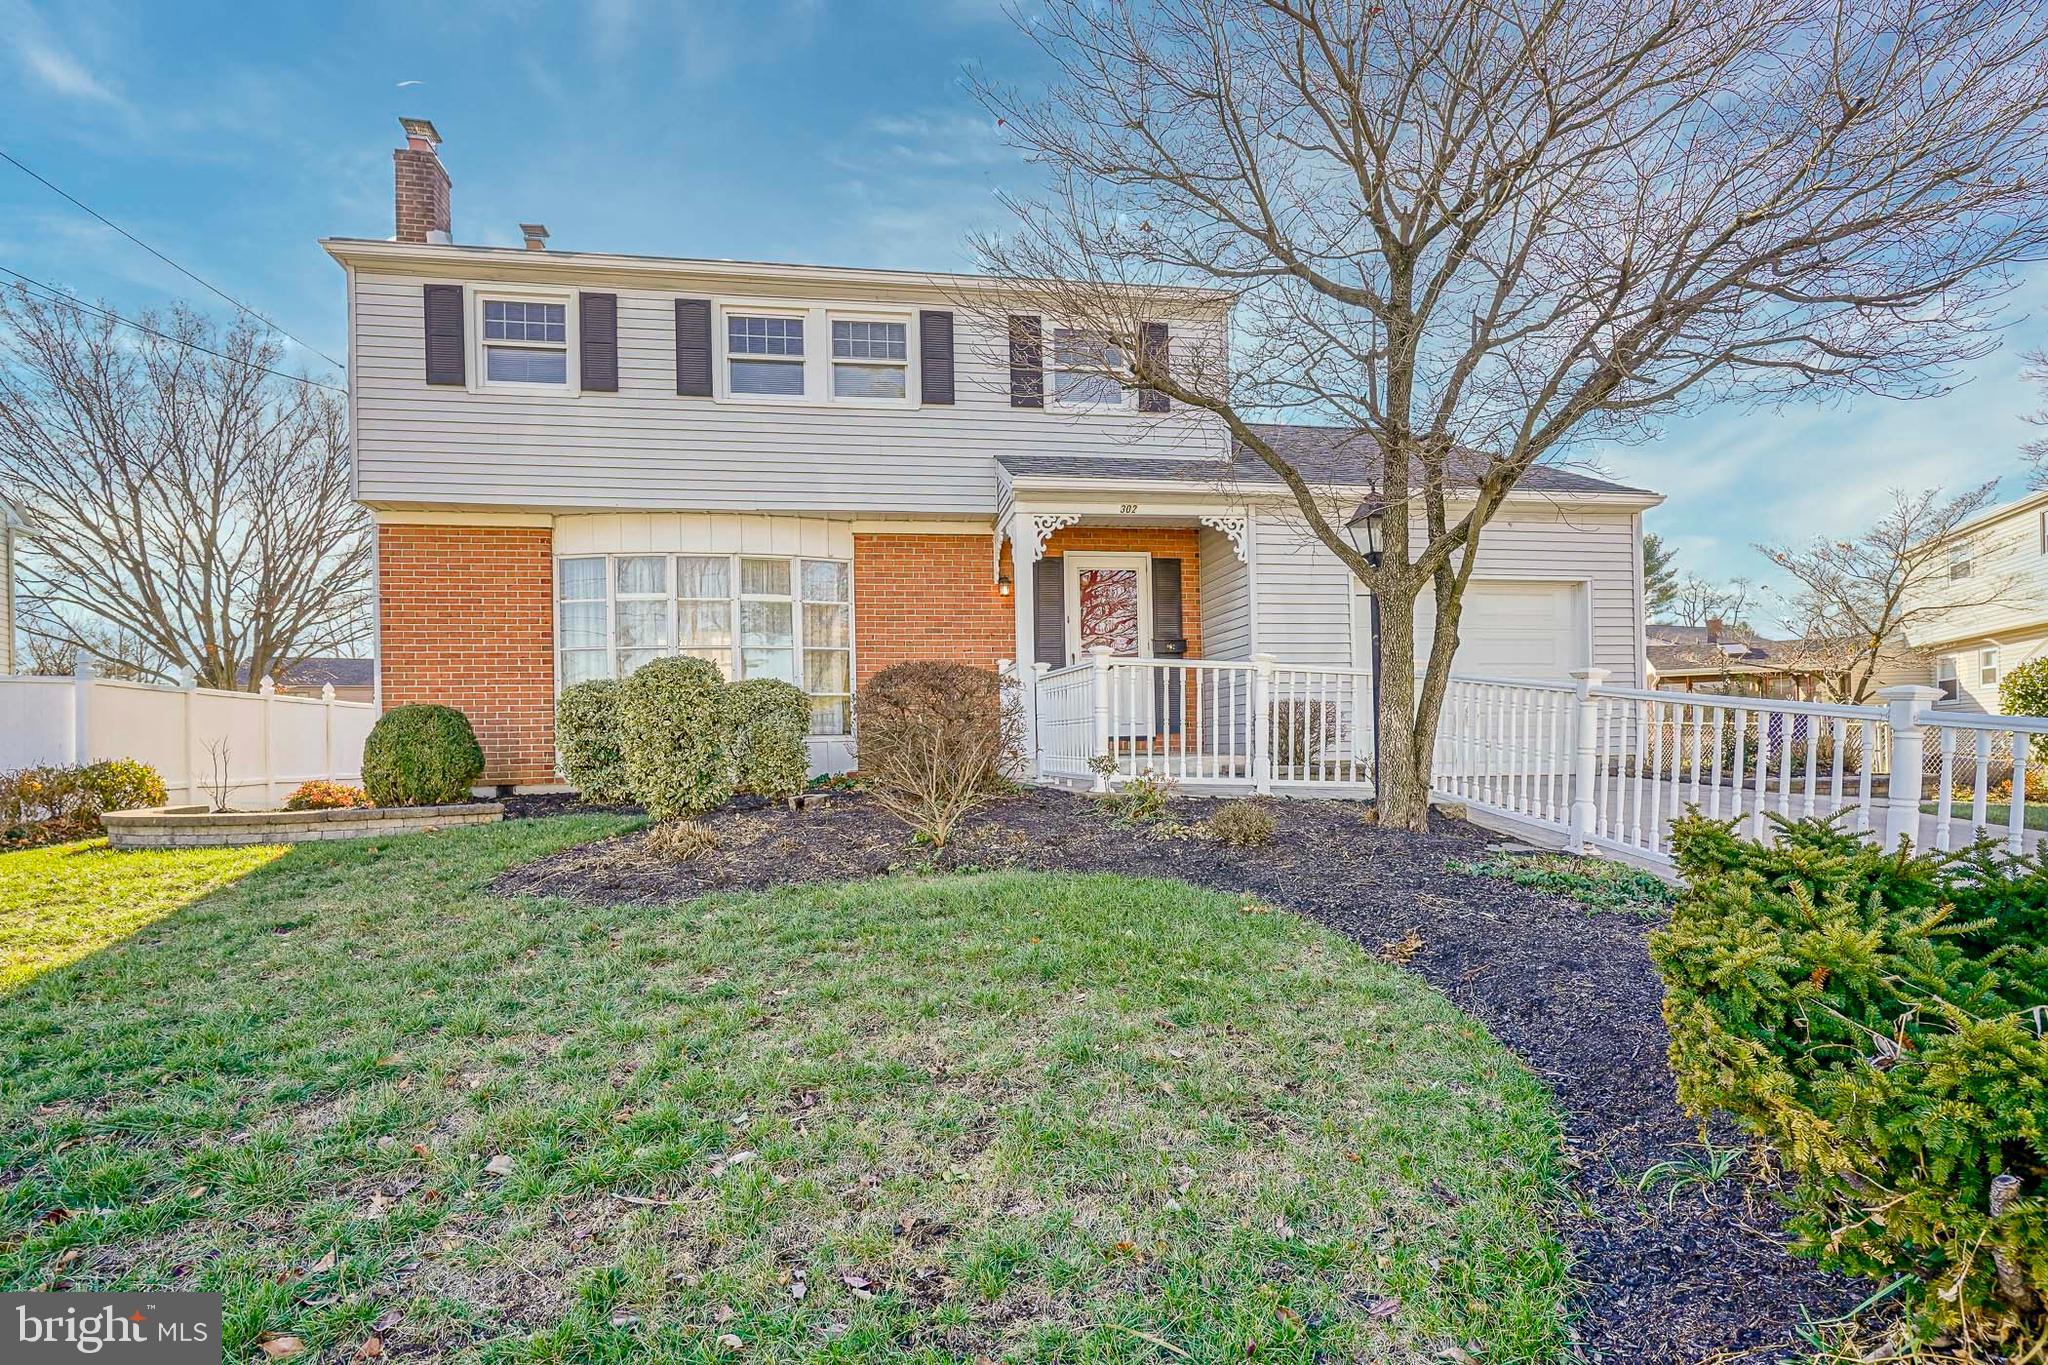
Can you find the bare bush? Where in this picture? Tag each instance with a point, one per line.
(937, 741)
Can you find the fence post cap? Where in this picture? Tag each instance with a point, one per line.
(1041, 666)
(1917, 693)
(81, 671)
(267, 686)
(1595, 676)
(327, 691)
(1102, 653)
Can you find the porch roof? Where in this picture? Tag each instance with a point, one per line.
(1335, 456)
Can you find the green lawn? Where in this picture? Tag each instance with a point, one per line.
(1072, 1118)
(58, 904)
(1996, 813)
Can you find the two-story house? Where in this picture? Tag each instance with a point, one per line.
(1997, 562)
(578, 461)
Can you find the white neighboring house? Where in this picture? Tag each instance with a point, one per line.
(14, 527)
(580, 461)
(1974, 647)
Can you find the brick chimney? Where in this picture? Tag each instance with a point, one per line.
(421, 185)
(1713, 630)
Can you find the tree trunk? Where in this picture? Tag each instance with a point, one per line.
(1403, 796)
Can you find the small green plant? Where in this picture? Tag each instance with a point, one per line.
(1140, 800)
(1242, 824)
(421, 756)
(1689, 1172)
(121, 784)
(1598, 882)
(767, 720)
(587, 737)
(320, 794)
(681, 840)
(2024, 689)
(672, 729)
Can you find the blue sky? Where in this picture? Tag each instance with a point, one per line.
(231, 137)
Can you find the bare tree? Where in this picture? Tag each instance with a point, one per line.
(54, 651)
(1485, 232)
(1695, 601)
(192, 505)
(1857, 601)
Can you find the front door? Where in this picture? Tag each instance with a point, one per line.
(1109, 602)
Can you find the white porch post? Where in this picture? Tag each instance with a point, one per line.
(1099, 692)
(1909, 752)
(1585, 755)
(1023, 556)
(1262, 724)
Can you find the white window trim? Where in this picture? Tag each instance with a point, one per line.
(1988, 661)
(818, 316)
(735, 650)
(1048, 333)
(474, 298)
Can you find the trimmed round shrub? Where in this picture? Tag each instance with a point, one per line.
(1243, 824)
(421, 756)
(120, 784)
(937, 741)
(320, 794)
(766, 720)
(587, 734)
(2024, 690)
(672, 730)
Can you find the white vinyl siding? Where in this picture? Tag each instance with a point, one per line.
(421, 445)
(1226, 597)
(1305, 593)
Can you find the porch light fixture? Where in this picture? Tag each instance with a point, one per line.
(1368, 529)
(1003, 585)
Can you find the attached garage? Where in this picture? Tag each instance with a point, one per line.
(1511, 628)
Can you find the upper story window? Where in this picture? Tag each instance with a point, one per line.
(525, 342)
(1079, 362)
(1945, 676)
(870, 359)
(1959, 563)
(764, 355)
(1987, 666)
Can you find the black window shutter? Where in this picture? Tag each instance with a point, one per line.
(1168, 636)
(1027, 362)
(1049, 612)
(935, 356)
(693, 348)
(1153, 346)
(597, 332)
(447, 358)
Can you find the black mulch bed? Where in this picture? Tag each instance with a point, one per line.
(1663, 1276)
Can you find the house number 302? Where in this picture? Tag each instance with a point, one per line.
(1128, 508)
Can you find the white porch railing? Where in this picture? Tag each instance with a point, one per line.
(1257, 725)
(1612, 768)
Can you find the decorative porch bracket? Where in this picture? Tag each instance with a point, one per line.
(1232, 526)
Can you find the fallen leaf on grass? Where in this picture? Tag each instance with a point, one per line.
(730, 1341)
(323, 1265)
(1384, 1308)
(371, 1348)
(280, 1348)
(501, 1164)
(861, 1285)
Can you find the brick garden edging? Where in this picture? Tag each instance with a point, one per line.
(198, 827)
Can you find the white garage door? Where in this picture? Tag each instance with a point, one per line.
(1513, 630)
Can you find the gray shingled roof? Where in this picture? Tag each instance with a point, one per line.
(1324, 455)
(313, 672)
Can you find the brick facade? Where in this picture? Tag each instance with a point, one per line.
(928, 597)
(466, 616)
(1161, 542)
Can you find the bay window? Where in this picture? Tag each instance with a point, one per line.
(754, 616)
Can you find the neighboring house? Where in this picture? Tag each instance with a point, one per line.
(14, 527)
(352, 679)
(580, 461)
(1974, 647)
(1734, 661)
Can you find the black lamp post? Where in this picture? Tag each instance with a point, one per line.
(1368, 531)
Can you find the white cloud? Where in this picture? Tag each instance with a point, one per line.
(48, 61)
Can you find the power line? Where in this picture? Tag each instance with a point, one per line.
(245, 308)
(56, 295)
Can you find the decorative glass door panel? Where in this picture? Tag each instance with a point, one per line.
(1109, 609)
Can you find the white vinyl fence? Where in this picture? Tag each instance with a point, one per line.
(1611, 768)
(271, 742)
